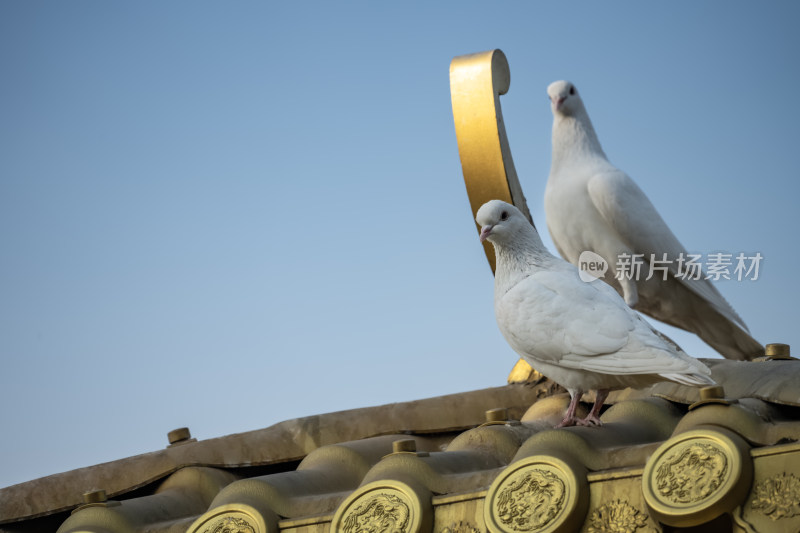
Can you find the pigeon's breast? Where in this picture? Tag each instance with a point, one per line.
(572, 218)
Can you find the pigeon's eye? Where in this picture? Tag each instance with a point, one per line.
(572, 90)
(504, 215)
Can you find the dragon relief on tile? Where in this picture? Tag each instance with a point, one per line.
(692, 474)
(532, 501)
(778, 496)
(382, 513)
(616, 516)
(230, 524)
(460, 527)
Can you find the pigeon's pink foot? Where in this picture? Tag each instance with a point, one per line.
(590, 420)
(569, 418)
(569, 421)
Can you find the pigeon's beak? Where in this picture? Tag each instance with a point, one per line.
(559, 101)
(485, 232)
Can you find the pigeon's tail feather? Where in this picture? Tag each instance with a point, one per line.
(675, 304)
(730, 340)
(722, 329)
(726, 337)
(690, 379)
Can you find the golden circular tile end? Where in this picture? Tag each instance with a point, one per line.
(234, 517)
(539, 493)
(696, 476)
(388, 505)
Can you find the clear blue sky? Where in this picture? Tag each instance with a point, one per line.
(225, 214)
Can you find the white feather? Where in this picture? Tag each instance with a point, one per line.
(591, 205)
(581, 335)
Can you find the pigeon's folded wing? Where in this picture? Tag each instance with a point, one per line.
(555, 318)
(552, 313)
(628, 210)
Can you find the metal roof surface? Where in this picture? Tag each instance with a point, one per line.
(447, 460)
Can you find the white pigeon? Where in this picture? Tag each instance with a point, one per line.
(593, 206)
(581, 335)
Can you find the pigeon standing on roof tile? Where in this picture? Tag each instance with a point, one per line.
(593, 206)
(581, 335)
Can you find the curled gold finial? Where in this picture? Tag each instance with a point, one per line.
(476, 83)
